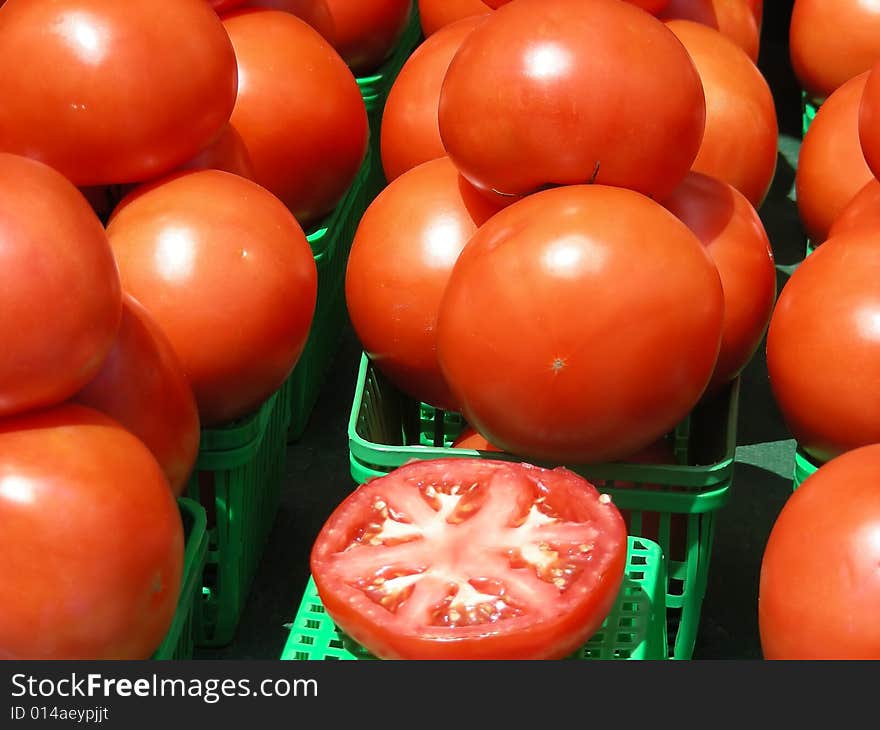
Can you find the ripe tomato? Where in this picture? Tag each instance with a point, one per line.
(863, 211)
(92, 540)
(227, 274)
(141, 385)
(437, 14)
(733, 234)
(869, 119)
(410, 131)
(401, 258)
(581, 382)
(227, 152)
(831, 166)
(740, 141)
(831, 41)
(314, 12)
(60, 293)
(823, 347)
(307, 153)
(652, 6)
(734, 18)
(820, 586)
(367, 31)
(471, 559)
(224, 6)
(470, 438)
(72, 100)
(521, 110)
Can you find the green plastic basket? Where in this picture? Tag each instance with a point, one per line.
(387, 429)
(238, 479)
(634, 629)
(808, 110)
(180, 639)
(804, 466)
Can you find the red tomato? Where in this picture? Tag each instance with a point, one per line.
(227, 274)
(437, 14)
(869, 119)
(72, 100)
(314, 12)
(733, 234)
(863, 211)
(470, 438)
(581, 383)
(305, 152)
(400, 261)
(60, 293)
(410, 128)
(224, 6)
(831, 166)
(367, 31)
(831, 41)
(471, 559)
(142, 386)
(820, 586)
(823, 347)
(652, 6)
(736, 19)
(228, 153)
(579, 101)
(92, 540)
(740, 141)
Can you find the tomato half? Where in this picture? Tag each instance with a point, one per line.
(115, 92)
(367, 31)
(820, 586)
(92, 540)
(437, 14)
(314, 12)
(554, 92)
(863, 211)
(471, 559)
(735, 19)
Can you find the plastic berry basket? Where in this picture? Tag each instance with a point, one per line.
(809, 107)
(676, 505)
(804, 466)
(179, 642)
(238, 479)
(634, 629)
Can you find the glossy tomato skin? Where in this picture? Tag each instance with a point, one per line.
(736, 19)
(823, 347)
(401, 258)
(583, 382)
(831, 165)
(554, 620)
(60, 297)
(437, 14)
(734, 236)
(141, 385)
(863, 211)
(367, 31)
(576, 104)
(299, 111)
(109, 125)
(739, 145)
(92, 539)
(314, 12)
(410, 131)
(819, 586)
(227, 274)
(869, 119)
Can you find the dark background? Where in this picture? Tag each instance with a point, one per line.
(318, 475)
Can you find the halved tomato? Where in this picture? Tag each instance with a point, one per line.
(471, 559)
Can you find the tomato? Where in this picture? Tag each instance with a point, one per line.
(401, 258)
(72, 100)
(831, 166)
(869, 119)
(471, 559)
(831, 41)
(437, 14)
(740, 141)
(410, 131)
(578, 101)
(141, 385)
(307, 153)
(820, 587)
(367, 31)
(228, 275)
(733, 234)
(224, 6)
(582, 379)
(92, 539)
(470, 438)
(823, 347)
(314, 12)
(863, 211)
(652, 6)
(60, 293)
(227, 152)
(734, 18)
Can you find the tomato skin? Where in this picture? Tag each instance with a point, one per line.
(652, 6)
(314, 12)
(734, 236)
(141, 385)
(60, 297)
(823, 352)
(869, 119)
(831, 165)
(92, 539)
(368, 30)
(437, 14)
(306, 153)
(863, 211)
(581, 384)
(819, 586)
(736, 19)
(400, 261)
(410, 131)
(644, 135)
(470, 438)
(227, 152)
(109, 125)
(224, 6)
(227, 274)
